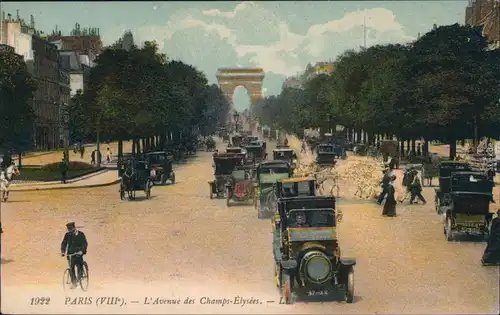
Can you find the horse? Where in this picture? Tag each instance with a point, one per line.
(6, 177)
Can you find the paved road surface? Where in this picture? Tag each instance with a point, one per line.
(180, 244)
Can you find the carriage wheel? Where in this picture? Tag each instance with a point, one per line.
(173, 178)
(148, 189)
(448, 229)
(122, 191)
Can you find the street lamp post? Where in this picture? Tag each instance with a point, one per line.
(236, 117)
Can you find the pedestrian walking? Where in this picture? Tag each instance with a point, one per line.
(92, 157)
(416, 188)
(303, 147)
(64, 171)
(82, 151)
(386, 180)
(108, 155)
(389, 209)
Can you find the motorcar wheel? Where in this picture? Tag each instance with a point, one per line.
(349, 285)
(448, 231)
(286, 289)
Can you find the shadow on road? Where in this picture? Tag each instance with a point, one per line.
(464, 238)
(5, 261)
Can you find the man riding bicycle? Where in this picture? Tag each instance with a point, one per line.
(74, 244)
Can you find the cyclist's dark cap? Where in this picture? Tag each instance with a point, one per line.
(70, 225)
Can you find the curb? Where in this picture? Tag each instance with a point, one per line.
(68, 187)
(73, 180)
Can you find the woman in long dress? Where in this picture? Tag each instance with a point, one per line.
(390, 202)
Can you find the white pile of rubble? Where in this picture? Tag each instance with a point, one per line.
(356, 177)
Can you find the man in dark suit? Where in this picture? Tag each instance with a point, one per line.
(74, 244)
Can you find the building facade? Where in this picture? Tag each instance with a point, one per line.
(486, 13)
(42, 61)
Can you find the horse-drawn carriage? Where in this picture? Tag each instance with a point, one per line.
(267, 173)
(6, 176)
(137, 176)
(160, 163)
(224, 164)
(468, 210)
(306, 249)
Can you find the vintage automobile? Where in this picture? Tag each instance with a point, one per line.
(235, 150)
(248, 139)
(240, 186)
(224, 164)
(136, 176)
(259, 142)
(295, 187)
(236, 140)
(267, 173)
(285, 153)
(255, 154)
(306, 249)
(160, 163)
(469, 208)
(442, 194)
(325, 155)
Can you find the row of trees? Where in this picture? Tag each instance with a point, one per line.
(444, 86)
(139, 94)
(132, 93)
(17, 88)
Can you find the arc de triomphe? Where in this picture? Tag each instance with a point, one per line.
(249, 78)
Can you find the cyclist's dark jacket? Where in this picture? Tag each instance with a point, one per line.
(75, 242)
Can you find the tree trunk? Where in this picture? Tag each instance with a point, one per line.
(425, 149)
(402, 147)
(20, 160)
(134, 146)
(413, 146)
(98, 153)
(120, 156)
(453, 149)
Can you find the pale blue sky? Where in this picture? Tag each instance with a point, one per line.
(281, 37)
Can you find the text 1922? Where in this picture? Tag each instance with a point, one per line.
(40, 301)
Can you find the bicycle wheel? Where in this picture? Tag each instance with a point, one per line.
(84, 278)
(66, 280)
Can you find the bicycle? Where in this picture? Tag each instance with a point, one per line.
(82, 279)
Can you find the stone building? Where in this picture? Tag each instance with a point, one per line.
(86, 41)
(486, 13)
(42, 60)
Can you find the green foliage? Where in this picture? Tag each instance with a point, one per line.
(440, 87)
(139, 93)
(17, 88)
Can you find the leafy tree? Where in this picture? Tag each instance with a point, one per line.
(17, 88)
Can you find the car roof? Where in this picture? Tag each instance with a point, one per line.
(283, 149)
(469, 173)
(297, 179)
(274, 162)
(156, 152)
(454, 162)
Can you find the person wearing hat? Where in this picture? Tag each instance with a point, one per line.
(491, 255)
(74, 241)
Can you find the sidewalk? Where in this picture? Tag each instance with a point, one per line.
(105, 177)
